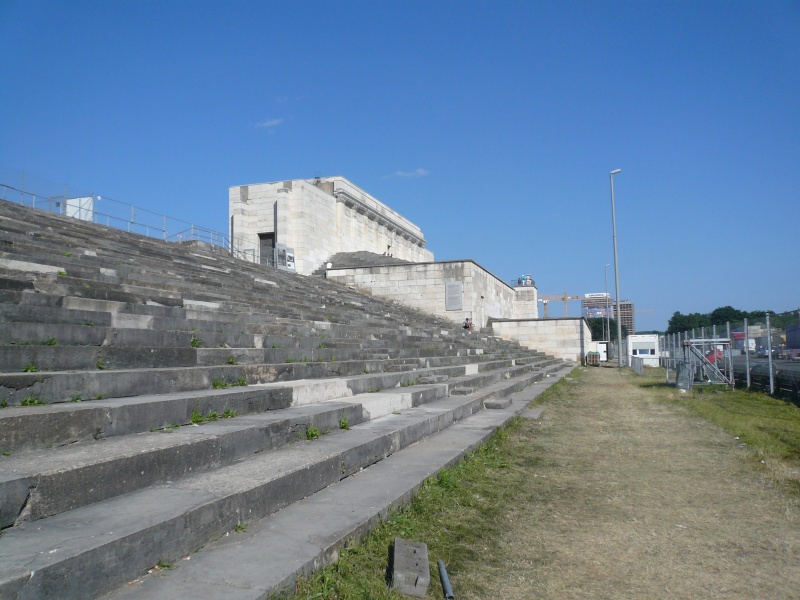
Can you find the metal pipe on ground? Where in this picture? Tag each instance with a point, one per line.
(446, 587)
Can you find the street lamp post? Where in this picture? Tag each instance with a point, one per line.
(608, 319)
(616, 268)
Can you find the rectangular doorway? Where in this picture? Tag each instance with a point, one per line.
(267, 248)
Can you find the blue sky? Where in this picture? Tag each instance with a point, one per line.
(491, 125)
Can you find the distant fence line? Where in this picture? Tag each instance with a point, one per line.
(760, 355)
(119, 215)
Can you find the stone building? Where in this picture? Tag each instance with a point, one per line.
(300, 224)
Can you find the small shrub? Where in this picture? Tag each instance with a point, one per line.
(75, 398)
(30, 368)
(100, 396)
(219, 384)
(232, 360)
(62, 273)
(68, 254)
(305, 359)
(50, 342)
(333, 358)
(196, 342)
(229, 414)
(344, 423)
(102, 364)
(213, 416)
(241, 528)
(4, 403)
(290, 359)
(312, 433)
(32, 401)
(241, 382)
(197, 417)
(374, 390)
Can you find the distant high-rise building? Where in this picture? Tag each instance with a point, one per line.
(593, 306)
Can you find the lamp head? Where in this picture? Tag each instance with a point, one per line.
(615, 171)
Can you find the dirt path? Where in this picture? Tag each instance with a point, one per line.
(633, 498)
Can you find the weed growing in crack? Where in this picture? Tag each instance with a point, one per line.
(32, 401)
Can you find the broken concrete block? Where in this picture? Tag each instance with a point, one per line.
(410, 571)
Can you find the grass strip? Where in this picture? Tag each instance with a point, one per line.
(770, 427)
(461, 514)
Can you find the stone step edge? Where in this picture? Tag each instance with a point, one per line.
(274, 552)
(56, 387)
(83, 564)
(31, 494)
(22, 429)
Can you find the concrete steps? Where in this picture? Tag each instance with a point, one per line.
(266, 559)
(109, 542)
(122, 447)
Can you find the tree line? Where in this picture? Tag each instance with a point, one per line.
(727, 314)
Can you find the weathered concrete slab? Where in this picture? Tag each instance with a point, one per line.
(495, 403)
(410, 569)
(296, 540)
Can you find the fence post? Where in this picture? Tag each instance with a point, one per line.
(747, 351)
(729, 361)
(769, 358)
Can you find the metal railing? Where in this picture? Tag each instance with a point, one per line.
(127, 217)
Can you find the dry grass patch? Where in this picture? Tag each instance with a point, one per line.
(620, 492)
(637, 498)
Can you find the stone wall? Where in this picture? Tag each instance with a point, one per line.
(318, 218)
(424, 286)
(565, 338)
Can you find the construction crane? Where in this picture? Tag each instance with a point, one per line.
(546, 299)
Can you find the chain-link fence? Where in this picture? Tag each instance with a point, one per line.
(756, 353)
(89, 206)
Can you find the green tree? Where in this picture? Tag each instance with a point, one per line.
(597, 326)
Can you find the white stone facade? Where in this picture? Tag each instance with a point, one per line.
(566, 338)
(481, 295)
(318, 218)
